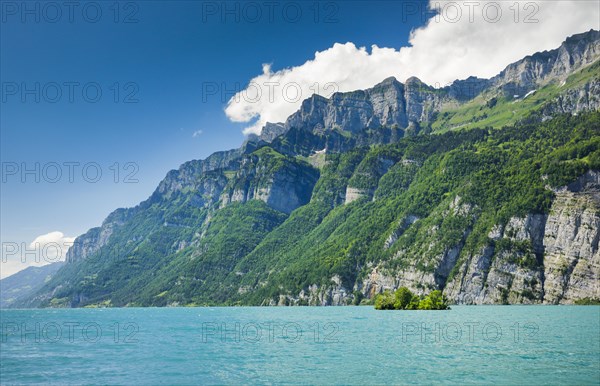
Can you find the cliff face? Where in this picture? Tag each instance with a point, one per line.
(536, 259)
(94, 239)
(566, 242)
(281, 182)
(271, 131)
(572, 259)
(556, 65)
(364, 180)
(388, 104)
(583, 98)
(506, 270)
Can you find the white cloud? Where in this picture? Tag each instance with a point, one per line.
(44, 249)
(478, 42)
(53, 245)
(197, 133)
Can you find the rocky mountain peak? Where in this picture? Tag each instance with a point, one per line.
(414, 81)
(555, 65)
(391, 103)
(271, 131)
(389, 81)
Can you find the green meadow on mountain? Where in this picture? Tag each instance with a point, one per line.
(487, 190)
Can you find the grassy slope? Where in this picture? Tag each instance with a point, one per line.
(507, 111)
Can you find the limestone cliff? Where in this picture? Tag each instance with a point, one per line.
(282, 182)
(536, 259)
(572, 259)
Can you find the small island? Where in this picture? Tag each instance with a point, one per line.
(404, 299)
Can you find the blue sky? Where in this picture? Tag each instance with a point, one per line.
(160, 55)
(172, 49)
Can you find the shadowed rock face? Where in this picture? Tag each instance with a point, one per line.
(281, 183)
(271, 131)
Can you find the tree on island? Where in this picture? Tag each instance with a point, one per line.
(404, 299)
(385, 301)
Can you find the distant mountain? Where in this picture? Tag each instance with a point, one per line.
(25, 282)
(487, 189)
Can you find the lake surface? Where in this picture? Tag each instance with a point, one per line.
(302, 345)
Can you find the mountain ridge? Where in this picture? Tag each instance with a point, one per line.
(25, 282)
(215, 230)
(402, 105)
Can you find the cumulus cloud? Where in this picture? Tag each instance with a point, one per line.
(44, 249)
(53, 245)
(460, 39)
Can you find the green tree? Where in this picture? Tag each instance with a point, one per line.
(434, 301)
(425, 304)
(414, 303)
(403, 298)
(384, 301)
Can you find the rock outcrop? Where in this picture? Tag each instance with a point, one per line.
(572, 259)
(556, 65)
(584, 98)
(281, 182)
(271, 131)
(95, 238)
(388, 104)
(506, 270)
(551, 258)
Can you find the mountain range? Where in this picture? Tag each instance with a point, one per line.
(25, 283)
(487, 189)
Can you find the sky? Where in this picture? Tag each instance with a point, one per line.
(100, 99)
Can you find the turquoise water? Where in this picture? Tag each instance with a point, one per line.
(302, 345)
